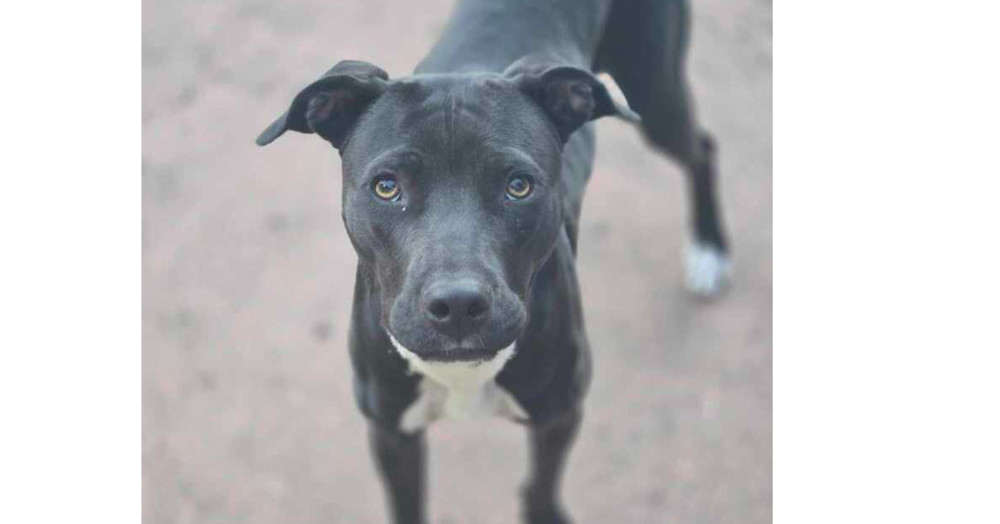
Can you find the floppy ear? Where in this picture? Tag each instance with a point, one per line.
(571, 96)
(331, 105)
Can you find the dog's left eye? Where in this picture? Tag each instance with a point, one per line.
(386, 188)
(518, 187)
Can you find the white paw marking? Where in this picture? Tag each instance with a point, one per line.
(708, 269)
(457, 390)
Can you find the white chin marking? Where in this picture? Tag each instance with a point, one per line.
(708, 269)
(457, 389)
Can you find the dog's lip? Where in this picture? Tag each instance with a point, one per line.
(459, 354)
(454, 354)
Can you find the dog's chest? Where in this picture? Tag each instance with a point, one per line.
(438, 401)
(457, 390)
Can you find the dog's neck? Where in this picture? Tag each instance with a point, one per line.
(480, 36)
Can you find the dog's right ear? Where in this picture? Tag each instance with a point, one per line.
(331, 105)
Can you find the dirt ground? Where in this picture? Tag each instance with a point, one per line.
(247, 280)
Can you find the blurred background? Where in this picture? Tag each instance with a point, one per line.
(248, 414)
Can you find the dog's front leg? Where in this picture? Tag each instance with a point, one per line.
(550, 445)
(400, 460)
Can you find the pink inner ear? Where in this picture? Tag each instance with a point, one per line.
(572, 100)
(580, 96)
(322, 106)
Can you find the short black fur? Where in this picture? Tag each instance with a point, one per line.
(451, 266)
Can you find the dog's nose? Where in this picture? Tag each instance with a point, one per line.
(456, 306)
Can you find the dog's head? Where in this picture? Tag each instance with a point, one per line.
(452, 194)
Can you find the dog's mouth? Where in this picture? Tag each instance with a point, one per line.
(471, 356)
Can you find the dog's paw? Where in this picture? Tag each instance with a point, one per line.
(708, 269)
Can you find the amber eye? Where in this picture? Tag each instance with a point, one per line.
(386, 188)
(518, 187)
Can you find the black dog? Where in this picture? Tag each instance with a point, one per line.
(462, 189)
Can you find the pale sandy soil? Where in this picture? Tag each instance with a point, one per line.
(247, 280)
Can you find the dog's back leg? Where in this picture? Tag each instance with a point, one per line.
(644, 49)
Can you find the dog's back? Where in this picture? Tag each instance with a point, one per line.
(484, 35)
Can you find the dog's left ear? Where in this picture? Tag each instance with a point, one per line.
(571, 96)
(331, 105)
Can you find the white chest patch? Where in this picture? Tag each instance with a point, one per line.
(457, 390)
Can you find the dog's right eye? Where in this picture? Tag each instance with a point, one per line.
(386, 188)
